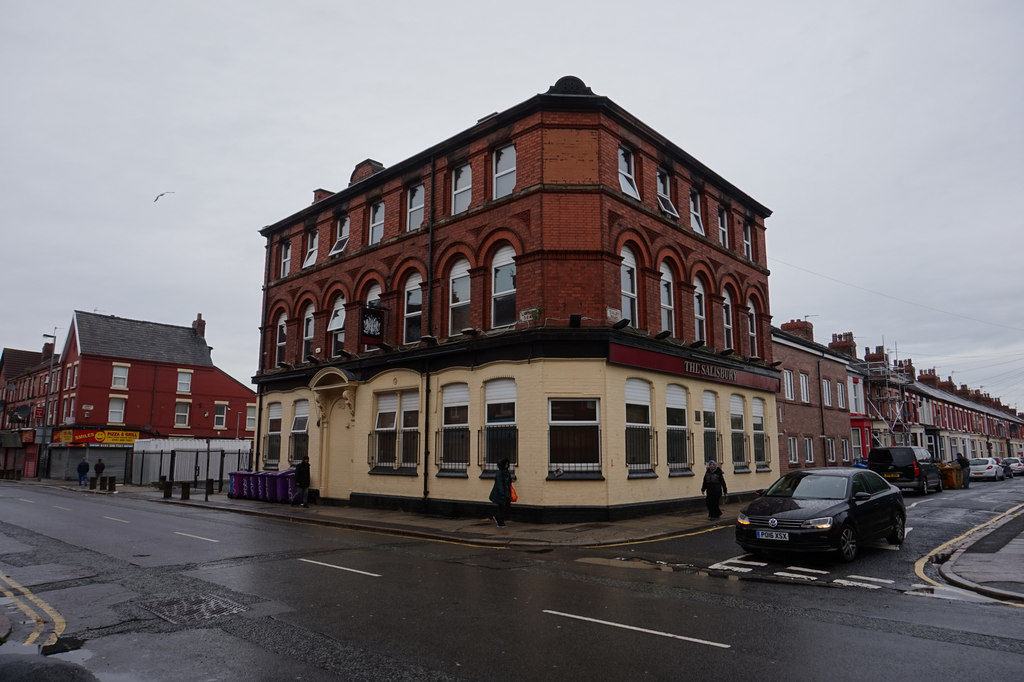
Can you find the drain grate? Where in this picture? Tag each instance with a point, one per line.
(195, 609)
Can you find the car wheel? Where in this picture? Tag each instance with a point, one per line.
(847, 543)
(898, 532)
(924, 485)
(938, 485)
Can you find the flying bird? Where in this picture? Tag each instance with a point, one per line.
(160, 195)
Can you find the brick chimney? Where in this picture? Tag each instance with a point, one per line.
(878, 356)
(199, 326)
(801, 328)
(905, 367)
(928, 377)
(321, 194)
(844, 343)
(948, 386)
(365, 169)
(963, 392)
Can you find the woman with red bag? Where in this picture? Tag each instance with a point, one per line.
(501, 493)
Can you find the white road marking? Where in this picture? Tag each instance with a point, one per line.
(874, 580)
(29, 501)
(724, 566)
(118, 520)
(806, 570)
(644, 630)
(197, 537)
(802, 576)
(64, 508)
(853, 583)
(341, 568)
(747, 563)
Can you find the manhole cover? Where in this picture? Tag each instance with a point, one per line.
(194, 609)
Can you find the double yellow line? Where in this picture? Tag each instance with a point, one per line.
(34, 608)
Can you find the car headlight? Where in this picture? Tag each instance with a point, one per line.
(742, 519)
(823, 523)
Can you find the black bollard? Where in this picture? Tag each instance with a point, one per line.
(168, 489)
(184, 490)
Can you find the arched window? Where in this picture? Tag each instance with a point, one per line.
(699, 312)
(727, 319)
(282, 338)
(668, 311)
(628, 285)
(503, 288)
(308, 330)
(336, 327)
(458, 297)
(752, 327)
(413, 308)
(372, 301)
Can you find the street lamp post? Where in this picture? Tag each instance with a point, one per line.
(47, 435)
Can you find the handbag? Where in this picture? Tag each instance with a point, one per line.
(512, 493)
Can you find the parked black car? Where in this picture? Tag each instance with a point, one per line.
(823, 510)
(907, 468)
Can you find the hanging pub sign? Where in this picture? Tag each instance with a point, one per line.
(371, 325)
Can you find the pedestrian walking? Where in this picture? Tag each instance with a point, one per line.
(501, 493)
(301, 483)
(98, 467)
(83, 471)
(713, 488)
(965, 469)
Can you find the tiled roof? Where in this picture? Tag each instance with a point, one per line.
(15, 361)
(110, 336)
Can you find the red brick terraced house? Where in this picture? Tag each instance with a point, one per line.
(23, 386)
(559, 285)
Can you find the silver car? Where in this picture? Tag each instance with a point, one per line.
(986, 468)
(1016, 465)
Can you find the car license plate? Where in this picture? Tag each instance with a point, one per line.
(891, 475)
(772, 535)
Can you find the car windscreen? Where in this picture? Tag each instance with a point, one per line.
(979, 462)
(809, 487)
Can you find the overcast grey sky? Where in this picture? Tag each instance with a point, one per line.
(886, 136)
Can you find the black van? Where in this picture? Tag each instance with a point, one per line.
(907, 468)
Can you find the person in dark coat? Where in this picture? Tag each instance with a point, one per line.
(501, 493)
(302, 483)
(965, 469)
(98, 467)
(713, 488)
(83, 471)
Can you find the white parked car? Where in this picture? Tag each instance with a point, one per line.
(1016, 465)
(987, 468)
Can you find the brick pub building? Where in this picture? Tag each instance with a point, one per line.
(558, 285)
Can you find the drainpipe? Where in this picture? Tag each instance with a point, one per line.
(430, 330)
(253, 459)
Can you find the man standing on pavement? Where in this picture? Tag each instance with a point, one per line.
(965, 468)
(302, 482)
(98, 467)
(83, 471)
(713, 487)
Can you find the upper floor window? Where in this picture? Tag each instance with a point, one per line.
(308, 331)
(695, 220)
(250, 417)
(665, 193)
(181, 411)
(115, 411)
(699, 312)
(281, 338)
(787, 384)
(312, 245)
(286, 258)
(748, 242)
(414, 216)
(668, 312)
(727, 320)
(826, 392)
(413, 308)
(805, 388)
(628, 286)
(462, 188)
(723, 227)
(376, 222)
(841, 394)
(627, 180)
(458, 297)
(336, 327)
(752, 328)
(184, 381)
(120, 377)
(503, 287)
(220, 416)
(504, 171)
(341, 228)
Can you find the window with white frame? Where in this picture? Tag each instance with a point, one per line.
(181, 412)
(723, 227)
(454, 427)
(298, 443)
(841, 394)
(748, 242)
(738, 429)
(809, 450)
(710, 423)
(336, 326)
(752, 328)
(413, 312)
(696, 222)
(727, 319)
(286, 258)
(458, 297)
(462, 188)
(272, 444)
(760, 435)
(858, 449)
(414, 198)
(627, 180)
(826, 392)
(250, 417)
(699, 311)
(120, 376)
(312, 246)
(639, 435)
(805, 388)
(184, 381)
(844, 444)
(220, 416)
(787, 383)
(665, 193)
(115, 410)
(376, 222)
(830, 449)
(501, 434)
(504, 171)
(308, 331)
(628, 286)
(677, 435)
(503, 287)
(281, 338)
(341, 230)
(668, 310)
(574, 436)
(794, 452)
(395, 440)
